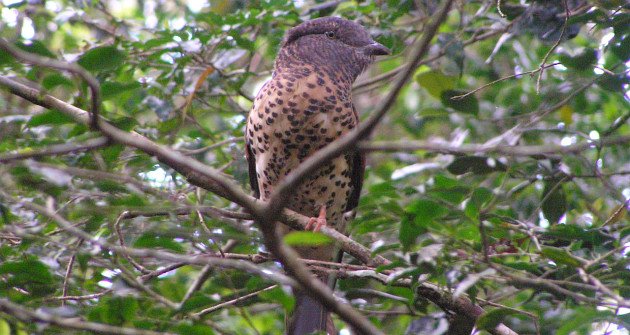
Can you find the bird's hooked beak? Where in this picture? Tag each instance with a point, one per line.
(376, 49)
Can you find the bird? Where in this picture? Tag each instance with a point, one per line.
(305, 106)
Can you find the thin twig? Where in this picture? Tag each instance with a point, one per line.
(232, 302)
(121, 240)
(459, 97)
(564, 28)
(57, 149)
(66, 278)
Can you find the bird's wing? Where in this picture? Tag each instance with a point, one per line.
(357, 166)
(251, 162)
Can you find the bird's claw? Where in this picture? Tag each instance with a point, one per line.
(316, 223)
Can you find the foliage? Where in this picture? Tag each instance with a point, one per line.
(538, 239)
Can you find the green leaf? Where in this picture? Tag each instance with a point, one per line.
(489, 320)
(480, 197)
(613, 83)
(198, 300)
(36, 47)
(475, 164)
(49, 117)
(112, 152)
(111, 89)
(30, 275)
(620, 47)
(118, 310)
(572, 232)
(194, 329)
(306, 239)
(435, 82)
(468, 104)
(169, 125)
(102, 59)
(151, 240)
(555, 204)
(582, 61)
(56, 79)
(385, 189)
(561, 256)
(582, 319)
(420, 215)
(426, 209)
(5, 328)
(524, 266)
(277, 294)
(132, 200)
(409, 232)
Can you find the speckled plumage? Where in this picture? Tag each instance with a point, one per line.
(305, 106)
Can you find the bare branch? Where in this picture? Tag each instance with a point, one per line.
(232, 302)
(522, 150)
(58, 149)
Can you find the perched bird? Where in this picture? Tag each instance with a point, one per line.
(305, 106)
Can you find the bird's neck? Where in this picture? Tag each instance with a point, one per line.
(301, 62)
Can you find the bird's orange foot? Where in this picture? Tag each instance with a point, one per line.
(315, 224)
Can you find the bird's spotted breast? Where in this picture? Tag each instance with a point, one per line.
(294, 115)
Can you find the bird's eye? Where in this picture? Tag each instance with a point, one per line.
(331, 34)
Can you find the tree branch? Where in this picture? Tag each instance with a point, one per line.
(508, 150)
(93, 84)
(27, 315)
(57, 149)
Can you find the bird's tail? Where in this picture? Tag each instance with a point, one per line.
(309, 316)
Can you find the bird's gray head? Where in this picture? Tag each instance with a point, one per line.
(330, 44)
